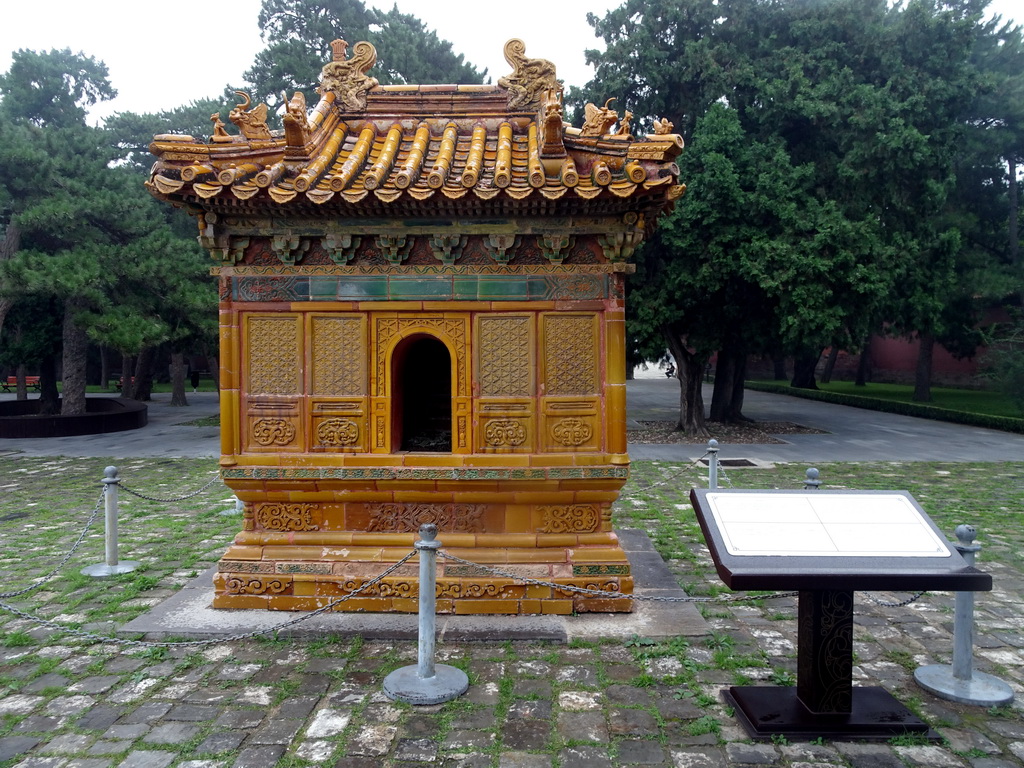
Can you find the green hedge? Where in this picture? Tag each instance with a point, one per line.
(1004, 423)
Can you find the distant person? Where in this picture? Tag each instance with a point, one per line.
(195, 381)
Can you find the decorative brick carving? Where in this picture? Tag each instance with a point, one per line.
(555, 248)
(462, 589)
(289, 248)
(395, 248)
(339, 356)
(405, 518)
(502, 248)
(600, 586)
(337, 432)
(287, 517)
(448, 248)
(342, 247)
(273, 345)
(505, 357)
(245, 566)
(452, 328)
(251, 586)
(273, 431)
(570, 355)
(571, 432)
(500, 433)
(319, 569)
(569, 518)
(387, 588)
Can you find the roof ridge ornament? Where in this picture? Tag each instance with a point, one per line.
(346, 78)
(251, 122)
(599, 120)
(530, 78)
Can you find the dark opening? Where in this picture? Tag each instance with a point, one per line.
(422, 399)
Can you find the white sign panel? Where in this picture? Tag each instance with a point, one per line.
(811, 524)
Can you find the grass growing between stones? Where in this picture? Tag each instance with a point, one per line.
(626, 702)
(988, 496)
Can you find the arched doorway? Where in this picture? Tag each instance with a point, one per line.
(422, 395)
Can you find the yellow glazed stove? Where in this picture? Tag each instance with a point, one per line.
(421, 314)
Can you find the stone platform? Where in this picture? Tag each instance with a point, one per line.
(188, 614)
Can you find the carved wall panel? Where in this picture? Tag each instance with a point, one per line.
(569, 518)
(571, 354)
(572, 424)
(338, 425)
(504, 433)
(274, 354)
(505, 425)
(505, 356)
(274, 425)
(405, 518)
(338, 356)
(288, 517)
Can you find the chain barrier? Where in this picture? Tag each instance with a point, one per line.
(212, 641)
(695, 463)
(603, 593)
(187, 496)
(368, 585)
(903, 603)
(81, 537)
(723, 476)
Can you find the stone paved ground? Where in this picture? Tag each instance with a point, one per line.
(70, 702)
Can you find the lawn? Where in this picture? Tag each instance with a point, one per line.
(965, 400)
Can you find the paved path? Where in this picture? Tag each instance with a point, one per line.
(164, 436)
(854, 434)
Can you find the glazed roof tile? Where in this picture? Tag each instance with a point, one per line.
(418, 145)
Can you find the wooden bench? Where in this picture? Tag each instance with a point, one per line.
(11, 384)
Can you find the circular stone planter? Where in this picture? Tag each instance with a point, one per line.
(20, 418)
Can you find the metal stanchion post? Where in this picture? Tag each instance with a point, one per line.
(426, 683)
(111, 567)
(960, 682)
(712, 464)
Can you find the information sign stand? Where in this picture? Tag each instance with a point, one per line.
(826, 545)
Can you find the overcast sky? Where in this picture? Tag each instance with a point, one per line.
(161, 56)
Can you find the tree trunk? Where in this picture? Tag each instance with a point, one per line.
(830, 364)
(21, 387)
(803, 370)
(727, 396)
(214, 363)
(780, 368)
(19, 374)
(689, 371)
(144, 374)
(9, 245)
(127, 376)
(178, 379)
(923, 374)
(49, 397)
(76, 344)
(739, 378)
(864, 364)
(1014, 232)
(722, 389)
(105, 368)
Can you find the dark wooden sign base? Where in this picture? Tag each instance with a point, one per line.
(875, 715)
(824, 702)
